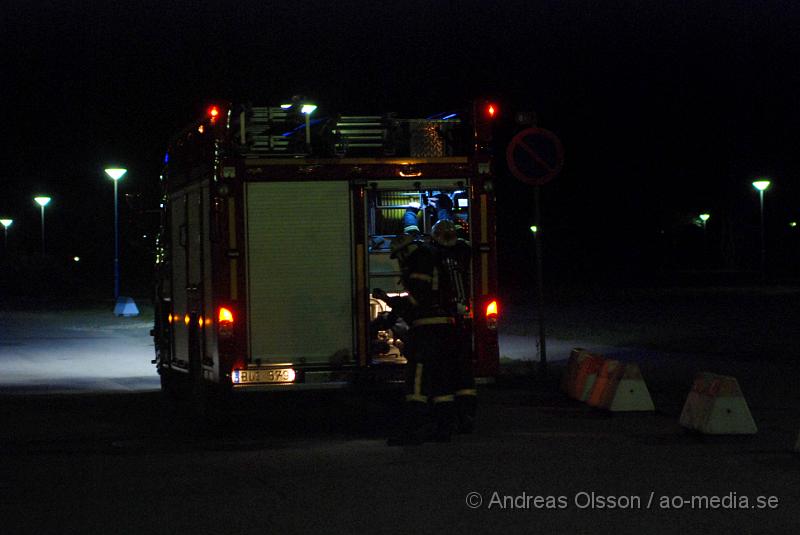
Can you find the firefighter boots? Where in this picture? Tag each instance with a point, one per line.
(444, 420)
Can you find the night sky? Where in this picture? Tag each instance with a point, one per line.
(666, 109)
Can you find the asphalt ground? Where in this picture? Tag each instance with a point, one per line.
(119, 459)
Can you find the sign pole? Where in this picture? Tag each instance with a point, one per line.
(537, 240)
(535, 156)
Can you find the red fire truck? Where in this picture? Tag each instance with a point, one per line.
(276, 226)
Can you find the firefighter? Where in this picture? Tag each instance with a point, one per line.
(433, 276)
(453, 258)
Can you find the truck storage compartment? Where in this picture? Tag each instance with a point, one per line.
(299, 276)
(387, 205)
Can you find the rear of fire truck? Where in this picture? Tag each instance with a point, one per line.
(274, 269)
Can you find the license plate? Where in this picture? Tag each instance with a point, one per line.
(273, 375)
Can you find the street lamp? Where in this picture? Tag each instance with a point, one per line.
(6, 223)
(115, 173)
(42, 201)
(761, 186)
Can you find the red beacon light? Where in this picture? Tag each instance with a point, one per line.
(213, 112)
(485, 113)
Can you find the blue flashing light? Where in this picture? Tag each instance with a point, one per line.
(442, 116)
(166, 157)
(302, 127)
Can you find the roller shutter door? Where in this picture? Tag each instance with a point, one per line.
(300, 282)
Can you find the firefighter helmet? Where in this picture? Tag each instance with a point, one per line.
(442, 201)
(444, 233)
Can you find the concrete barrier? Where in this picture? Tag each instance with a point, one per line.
(697, 403)
(716, 406)
(589, 366)
(126, 307)
(609, 374)
(620, 387)
(629, 393)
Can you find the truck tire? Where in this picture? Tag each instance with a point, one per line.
(172, 387)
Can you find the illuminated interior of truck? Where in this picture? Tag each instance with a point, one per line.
(390, 215)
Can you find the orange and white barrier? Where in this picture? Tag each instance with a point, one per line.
(620, 387)
(589, 366)
(716, 406)
(605, 383)
(609, 374)
(697, 403)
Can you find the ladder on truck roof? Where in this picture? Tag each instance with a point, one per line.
(280, 132)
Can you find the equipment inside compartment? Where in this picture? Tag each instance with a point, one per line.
(386, 332)
(388, 218)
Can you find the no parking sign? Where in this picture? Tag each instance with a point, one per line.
(535, 156)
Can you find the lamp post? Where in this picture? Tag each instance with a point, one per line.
(6, 223)
(761, 186)
(704, 219)
(42, 202)
(535, 229)
(115, 173)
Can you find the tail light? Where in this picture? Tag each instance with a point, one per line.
(492, 313)
(225, 322)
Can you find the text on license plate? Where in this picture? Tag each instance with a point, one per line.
(276, 375)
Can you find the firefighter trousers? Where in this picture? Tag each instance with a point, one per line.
(432, 378)
(466, 395)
